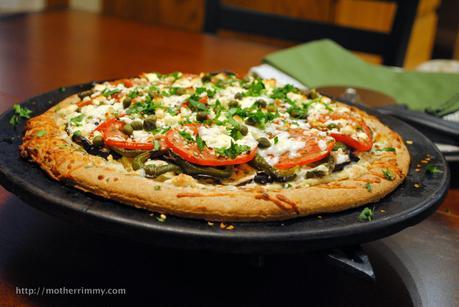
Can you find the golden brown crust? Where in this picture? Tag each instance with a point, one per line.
(67, 162)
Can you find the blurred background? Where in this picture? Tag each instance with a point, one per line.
(434, 33)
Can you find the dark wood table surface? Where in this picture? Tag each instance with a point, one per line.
(41, 52)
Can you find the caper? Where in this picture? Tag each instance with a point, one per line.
(98, 141)
(238, 96)
(127, 129)
(85, 93)
(233, 104)
(180, 91)
(243, 129)
(339, 145)
(313, 94)
(201, 116)
(250, 121)
(271, 108)
(149, 123)
(127, 102)
(263, 142)
(295, 114)
(206, 78)
(261, 103)
(137, 125)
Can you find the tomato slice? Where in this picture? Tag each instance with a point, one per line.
(127, 83)
(311, 152)
(359, 144)
(111, 132)
(190, 151)
(354, 142)
(81, 104)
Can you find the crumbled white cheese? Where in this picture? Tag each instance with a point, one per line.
(284, 144)
(215, 136)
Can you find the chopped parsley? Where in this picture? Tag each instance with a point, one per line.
(148, 106)
(276, 140)
(300, 112)
(41, 133)
(195, 104)
(106, 92)
(201, 144)
(432, 169)
(281, 92)
(255, 88)
(134, 93)
(369, 187)
(388, 174)
(76, 121)
(187, 136)
(391, 149)
(366, 215)
(233, 151)
(156, 145)
(19, 112)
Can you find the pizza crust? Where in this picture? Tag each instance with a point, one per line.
(65, 161)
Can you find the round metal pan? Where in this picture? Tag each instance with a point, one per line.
(406, 206)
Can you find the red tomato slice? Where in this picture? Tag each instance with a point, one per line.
(357, 144)
(350, 140)
(207, 157)
(84, 103)
(111, 131)
(311, 152)
(126, 82)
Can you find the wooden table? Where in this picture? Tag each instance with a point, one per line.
(40, 52)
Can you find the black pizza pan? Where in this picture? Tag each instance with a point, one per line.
(410, 203)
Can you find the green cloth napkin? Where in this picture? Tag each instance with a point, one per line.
(324, 63)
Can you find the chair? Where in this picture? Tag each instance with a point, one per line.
(391, 46)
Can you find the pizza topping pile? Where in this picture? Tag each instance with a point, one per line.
(217, 127)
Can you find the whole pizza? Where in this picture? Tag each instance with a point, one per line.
(217, 147)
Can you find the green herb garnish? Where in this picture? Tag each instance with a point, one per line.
(201, 144)
(366, 215)
(233, 151)
(391, 149)
(19, 112)
(432, 169)
(188, 137)
(106, 92)
(388, 174)
(76, 121)
(41, 133)
(276, 140)
(369, 187)
(156, 145)
(255, 88)
(281, 92)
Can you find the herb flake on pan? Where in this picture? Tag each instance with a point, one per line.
(432, 169)
(19, 112)
(366, 215)
(388, 174)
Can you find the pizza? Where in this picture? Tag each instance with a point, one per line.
(217, 147)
